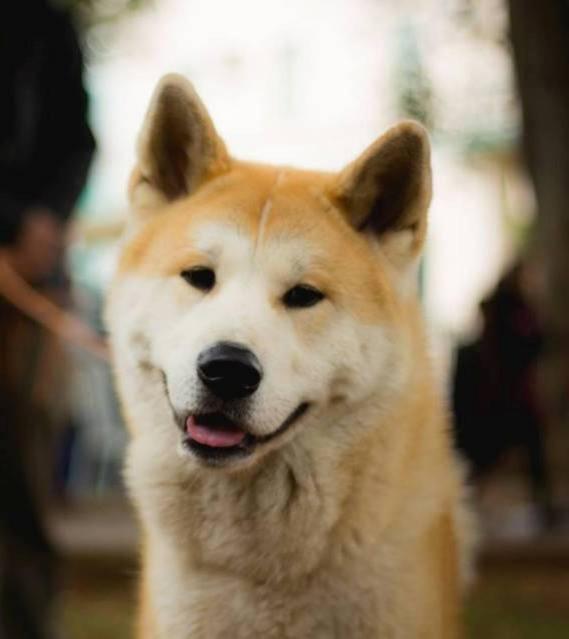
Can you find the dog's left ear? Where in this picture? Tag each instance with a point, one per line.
(178, 148)
(386, 192)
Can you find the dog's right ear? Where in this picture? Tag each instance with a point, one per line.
(178, 148)
(385, 193)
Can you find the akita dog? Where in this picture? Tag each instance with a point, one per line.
(290, 458)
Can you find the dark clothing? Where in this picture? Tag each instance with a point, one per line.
(45, 142)
(496, 408)
(46, 147)
(494, 396)
(27, 559)
(491, 418)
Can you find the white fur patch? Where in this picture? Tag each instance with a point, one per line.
(178, 322)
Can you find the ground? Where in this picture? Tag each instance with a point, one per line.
(522, 591)
(520, 604)
(511, 602)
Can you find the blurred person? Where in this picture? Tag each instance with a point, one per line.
(495, 393)
(46, 148)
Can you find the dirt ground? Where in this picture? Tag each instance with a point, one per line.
(506, 603)
(520, 604)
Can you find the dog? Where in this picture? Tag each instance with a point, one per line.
(290, 459)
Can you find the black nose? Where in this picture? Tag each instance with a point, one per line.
(229, 370)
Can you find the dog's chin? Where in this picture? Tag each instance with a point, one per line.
(215, 440)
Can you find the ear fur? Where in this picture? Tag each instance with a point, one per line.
(178, 148)
(387, 190)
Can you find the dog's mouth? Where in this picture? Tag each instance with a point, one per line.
(214, 430)
(215, 438)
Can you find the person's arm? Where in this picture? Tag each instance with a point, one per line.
(39, 308)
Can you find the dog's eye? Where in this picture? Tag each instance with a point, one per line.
(302, 296)
(200, 277)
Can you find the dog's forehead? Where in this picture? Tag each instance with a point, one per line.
(281, 226)
(290, 227)
(261, 212)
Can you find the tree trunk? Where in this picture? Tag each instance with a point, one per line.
(540, 40)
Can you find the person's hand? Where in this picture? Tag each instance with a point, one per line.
(38, 247)
(74, 330)
(15, 289)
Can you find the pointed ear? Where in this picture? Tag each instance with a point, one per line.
(178, 148)
(386, 192)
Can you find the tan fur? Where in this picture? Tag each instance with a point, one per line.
(351, 525)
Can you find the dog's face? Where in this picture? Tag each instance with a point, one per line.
(260, 304)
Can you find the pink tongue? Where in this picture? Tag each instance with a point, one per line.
(214, 437)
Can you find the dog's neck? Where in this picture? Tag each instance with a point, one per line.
(285, 510)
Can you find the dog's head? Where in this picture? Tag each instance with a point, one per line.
(256, 305)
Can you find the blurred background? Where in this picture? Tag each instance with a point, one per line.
(309, 83)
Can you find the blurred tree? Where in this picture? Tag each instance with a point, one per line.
(412, 87)
(540, 40)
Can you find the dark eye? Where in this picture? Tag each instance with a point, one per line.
(302, 296)
(200, 277)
